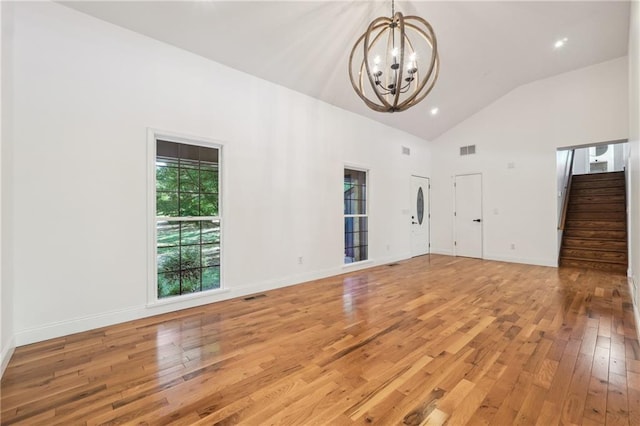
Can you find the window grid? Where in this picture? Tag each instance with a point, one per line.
(187, 219)
(355, 216)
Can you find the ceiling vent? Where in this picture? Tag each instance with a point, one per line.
(468, 150)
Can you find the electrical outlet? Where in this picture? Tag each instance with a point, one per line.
(388, 247)
(513, 246)
(300, 260)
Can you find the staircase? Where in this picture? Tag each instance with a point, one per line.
(595, 232)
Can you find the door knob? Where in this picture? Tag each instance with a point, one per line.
(477, 220)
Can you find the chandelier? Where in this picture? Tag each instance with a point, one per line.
(394, 64)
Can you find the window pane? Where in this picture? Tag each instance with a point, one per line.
(209, 205)
(189, 180)
(210, 278)
(190, 233)
(189, 205)
(188, 153)
(210, 232)
(355, 239)
(166, 204)
(168, 233)
(166, 178)
(208, 181)
(210, 255)
(355, 192)
(191, 280)
(168, 259)
(190, 257)
(168, 284)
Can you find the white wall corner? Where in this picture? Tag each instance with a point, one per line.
(7, 353)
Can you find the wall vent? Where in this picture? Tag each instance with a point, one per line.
(468, 150)
(255, 296)
(406, 150)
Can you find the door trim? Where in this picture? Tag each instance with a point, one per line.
(428, 215)
(455, 235)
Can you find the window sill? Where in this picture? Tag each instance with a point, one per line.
(359, 263)
(186, 297)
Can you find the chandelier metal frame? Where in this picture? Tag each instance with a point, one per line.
(398, 80)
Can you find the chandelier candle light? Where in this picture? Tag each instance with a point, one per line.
(394, 64)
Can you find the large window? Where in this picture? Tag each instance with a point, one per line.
(355, 216)
(187, 218)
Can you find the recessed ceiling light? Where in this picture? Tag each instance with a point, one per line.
(560, 43)
(434, 111)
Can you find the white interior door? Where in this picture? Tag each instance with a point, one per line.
(419, 215)
(468, 215)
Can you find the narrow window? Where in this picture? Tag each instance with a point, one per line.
(355, 216)
(187, 218)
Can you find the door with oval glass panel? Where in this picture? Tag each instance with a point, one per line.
(419, 215)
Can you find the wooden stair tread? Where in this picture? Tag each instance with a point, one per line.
(595, 232)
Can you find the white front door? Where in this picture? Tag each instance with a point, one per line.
(419, 215)
(468, 215)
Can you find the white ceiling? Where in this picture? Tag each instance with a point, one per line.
(486, 48)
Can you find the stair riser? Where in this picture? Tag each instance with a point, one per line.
(604, 216)
(596, 224)
(582, 192)
(606, 267)
(597, 199)
(603, 256)
(609, 183)
(598, 176)
(597, 207)
(590, 233)
(608, 245)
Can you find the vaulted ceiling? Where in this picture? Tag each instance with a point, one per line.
(486, 48)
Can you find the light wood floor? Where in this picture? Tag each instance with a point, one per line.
(432, 340)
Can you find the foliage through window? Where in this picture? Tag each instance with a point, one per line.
(187, 218)
(356, 229)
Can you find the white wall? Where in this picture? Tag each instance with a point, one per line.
(85, 93)
(525, 127)
(7, 342)
(581, 162)
(563, 163)
(633, 176)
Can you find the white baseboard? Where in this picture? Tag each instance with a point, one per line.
(6, 354)
(445, 252)
(77, 325)
(634, 297)
(524, 260)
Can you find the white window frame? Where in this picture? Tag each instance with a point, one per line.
(153, 135)
(367, 172)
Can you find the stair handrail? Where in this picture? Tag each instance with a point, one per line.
(567, 190)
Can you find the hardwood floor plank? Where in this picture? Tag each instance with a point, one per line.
(433, 340)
